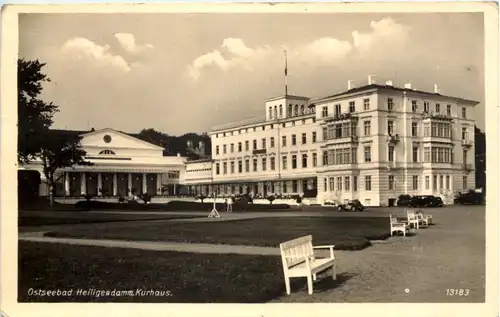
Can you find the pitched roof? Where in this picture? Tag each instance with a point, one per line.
(393, 88)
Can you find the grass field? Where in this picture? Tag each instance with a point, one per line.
(344, 233)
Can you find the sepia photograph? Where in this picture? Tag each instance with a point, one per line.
(299, 156)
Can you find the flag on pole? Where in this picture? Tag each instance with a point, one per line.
(286, 65)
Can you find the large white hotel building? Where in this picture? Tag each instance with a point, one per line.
(372, 143)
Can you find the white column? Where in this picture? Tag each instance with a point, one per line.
(115, 184)
(144, 183)
(66, 183)
(175, 190)
(83, 183)
(99, 184)
(158, 184)
(129, 184)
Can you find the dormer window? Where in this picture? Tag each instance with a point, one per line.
(107, 152)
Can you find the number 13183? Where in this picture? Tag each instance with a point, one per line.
(457, 292)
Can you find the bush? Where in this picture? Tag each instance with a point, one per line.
(146, 198)
(299, 200)
(271, 199)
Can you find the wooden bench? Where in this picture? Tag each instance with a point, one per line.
(299, 261)
(424, 219)
(397, 226)
(412, 219)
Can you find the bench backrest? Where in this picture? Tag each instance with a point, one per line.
(393, 219)
(294, 251)
(411, 215)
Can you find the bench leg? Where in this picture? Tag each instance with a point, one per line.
(287, 285)
(314, 276)
(309, 284)
(334, 272)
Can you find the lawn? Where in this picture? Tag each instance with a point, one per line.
(346, 233)
(32, 218)
(188, 277)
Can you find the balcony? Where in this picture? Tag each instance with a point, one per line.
(467, 168)
(466, 143)
(393, 139)
(438, 116)
(342, 117)
(353, 139)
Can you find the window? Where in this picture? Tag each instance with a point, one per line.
(290, 110)
(314, 137)
(281, 111)
(390, 127)
(390, 104)
(232, 167)
(302, 109)
(264, 164)
(355, 183)
(254, 165)
(270, 112)
(255, 144)
(275, 112)
(294, 139)
(464, 182)
(296, 110)
(366, 104)
(434, 182)
(415, 182)
(325, 158)
(368, 153)
(240, 167)
(315, 159)
(426, 106)
(283, 141)
(284, 162)
(325, 133)
(352, 106)
(427, 154)
(217, 168)
(415, 154)
(332, 184)
(304, 160)
(391, 182)
(367, 127)
(263, 143)
(368, 183)
(273, 163)
(427, 182)
(414, 106)
(464, 114)
(304, 138)
(347, 183)
(294, 161)
(414, 129)
(224, 168)
(448, 110)
(338, 109)
(464, 156)
(240, 148)
(217, 150)
(224, 149)
(247, 166)
(390, 154)
(263, 128)
(441, 181)
(438, 108)
(324, 112)
(247, 145)
(447, 182)
(464, 134)
(271, 142)
(339, 183)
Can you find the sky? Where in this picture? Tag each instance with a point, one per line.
(181, 73)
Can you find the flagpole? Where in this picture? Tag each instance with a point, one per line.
(286, 74)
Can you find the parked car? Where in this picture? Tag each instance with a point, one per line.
(352, 205)
(404, 200)
(469, 198)
(426, 201)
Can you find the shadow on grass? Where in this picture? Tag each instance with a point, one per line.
(324, 283)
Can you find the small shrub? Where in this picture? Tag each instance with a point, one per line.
(299, 200)
(271, 199)
(146, 198)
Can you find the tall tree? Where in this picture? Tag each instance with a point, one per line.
(52, 148)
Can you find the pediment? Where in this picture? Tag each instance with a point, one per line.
(109, 138)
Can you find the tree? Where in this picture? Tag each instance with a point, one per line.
(34, 115)
(53, 148)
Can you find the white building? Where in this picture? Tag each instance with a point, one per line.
(371, 143)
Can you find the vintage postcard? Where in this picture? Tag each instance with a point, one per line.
(265, 159)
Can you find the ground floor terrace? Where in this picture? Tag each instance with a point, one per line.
(115, 184)
(306, 187)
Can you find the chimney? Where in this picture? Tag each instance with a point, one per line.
(371, 79)
(408, 85)
(351, 84)
(388, 83)
(436, 89)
